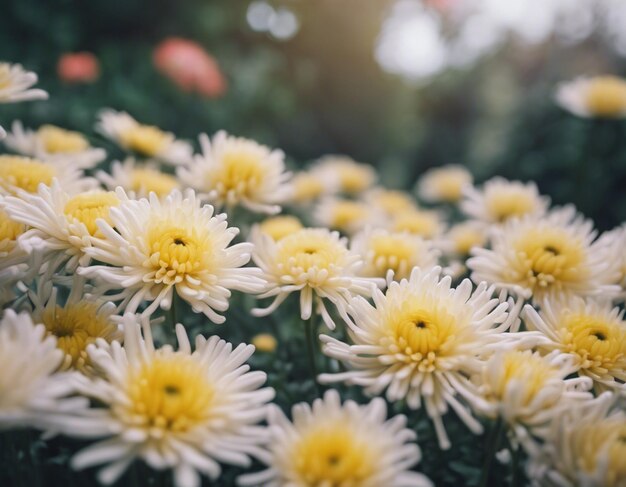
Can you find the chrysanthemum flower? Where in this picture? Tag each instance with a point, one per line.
(444, 184)
(13, 257)
(347, 216)
(396, 252)
(615, 243)
(75, 325)
(278, 227)
(30, 390)
(138, 179)
(153, 248)
(146, 140)
(390, 201)
(333, 444)
(345, 174)
(592, 333)
(462, 237)
(235, 171)
(308, 187)
(54, 144)
(26, 174)
(527, 390)
(60, 223)
(547, 258)
(422, 341)
(585, 446)
(15, 84)
(500, 200)
(175, 409)
(425, 223)
(599, 96)
(316, 263)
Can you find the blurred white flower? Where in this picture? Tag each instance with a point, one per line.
(152, 248)
(389, 201)
(307, 187)
(549, 257)
(597, 96)
(54, 144)
(422, 340)
(145, 140)
(347, 216)
(315, 263)
(278, 227)
(444, 184)
(428, 224)
(344, 174)
(332, 444)
(15, 83)
(138, 179)
(500, 200)
(592, 333)
(175, 409)
(462, 237)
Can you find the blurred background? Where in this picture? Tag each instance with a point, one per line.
(402, 84)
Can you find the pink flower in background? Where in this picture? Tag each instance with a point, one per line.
(188, 65)
(78, 67)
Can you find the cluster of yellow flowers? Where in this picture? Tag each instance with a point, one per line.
(510, 316)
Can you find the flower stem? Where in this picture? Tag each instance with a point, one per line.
(515, 480)
(493, 442)
(311, 346)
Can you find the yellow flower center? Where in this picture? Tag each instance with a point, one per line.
(302, 255)
(347, 213)
(146, 139)
(592, 443)
(393, 202)
(24, 173)
(264, 342)
(526, 369)
(449, 184)
(354, 178)
(334, 455)
(393, 252)
(146, 180)
(88, 207)
(423, 223)
(176, 252)
(606, 96)
(464, 238)
(548, 258)
(76, 326)
(505, 204)
(59, 141)
(170, 392)
(600, 343)
(418, 331)
(306, 187)
(9, 231)
(240, 174)
(280, 226)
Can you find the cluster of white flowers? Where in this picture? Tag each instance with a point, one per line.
(509, 315)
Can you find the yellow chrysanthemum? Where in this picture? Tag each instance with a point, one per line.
(89, 207)
(56, 140)
(24, 173)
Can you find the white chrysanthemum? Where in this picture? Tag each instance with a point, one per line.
(500, 200)
(138, 179)
(422, 341)
(61, 224)
(316, 263)
(390, 201)
(234, 171)
(26, 174)
(13, 258)
(15, 84)
(592, 333)
(278, 227)
(54, 144)
(335, 444)
(528, 390)
(145, 140)
(427, 224)
(615, 243)
(347, 216)
(308, 187)
(585, 446)
(175, 409)
(30, 390)
(397, 253)
(444, 184)
(462, 237)
(80, 321)
(344, 174)
(153, 248)
(547, 258)
(599, 96)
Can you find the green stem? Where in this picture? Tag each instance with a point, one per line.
(515, 480)
(493, 442)
(311, 345)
